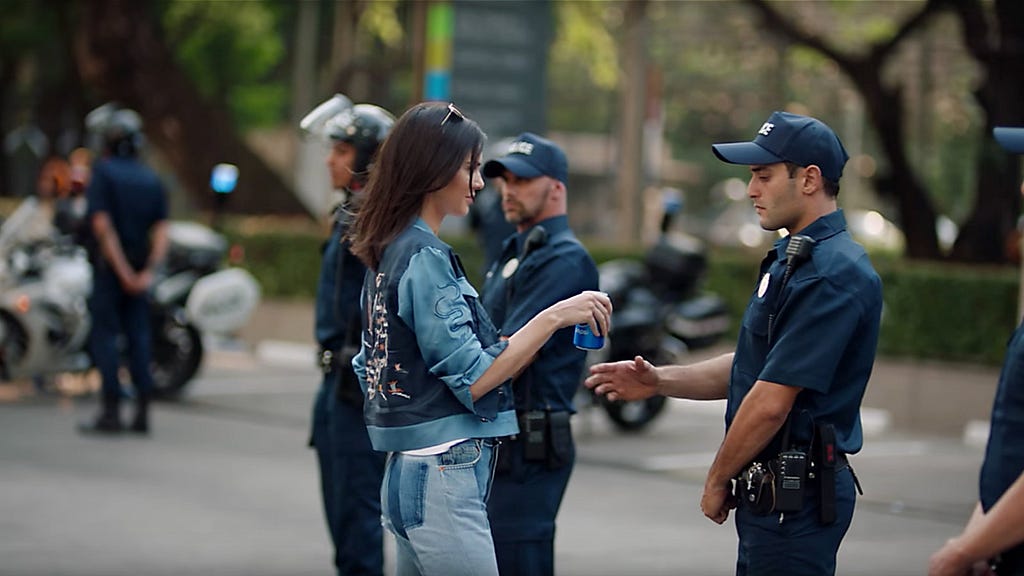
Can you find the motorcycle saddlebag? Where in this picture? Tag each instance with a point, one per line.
(700, 321)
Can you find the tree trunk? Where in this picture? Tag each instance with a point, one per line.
(120, 52)
(917, 215)
(1001, 94)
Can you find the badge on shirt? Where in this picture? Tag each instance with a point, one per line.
(762, 289)
(510, 268)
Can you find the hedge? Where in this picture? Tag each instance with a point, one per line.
(931, 311)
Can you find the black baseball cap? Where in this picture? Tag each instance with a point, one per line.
(787, 137)
(530, 156)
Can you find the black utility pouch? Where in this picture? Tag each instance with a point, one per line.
(825, 457)
(755, 489)
(533, 429)
(349, 390)
(559, 440)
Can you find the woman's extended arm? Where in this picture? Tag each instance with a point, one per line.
(589, 307)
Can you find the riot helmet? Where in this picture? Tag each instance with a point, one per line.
(118, 129)
(364, 126)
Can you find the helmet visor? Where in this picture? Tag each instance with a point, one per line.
(313, 123)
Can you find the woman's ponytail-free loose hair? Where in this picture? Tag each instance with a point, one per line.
(424, 150)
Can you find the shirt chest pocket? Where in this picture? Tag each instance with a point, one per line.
(755, 319)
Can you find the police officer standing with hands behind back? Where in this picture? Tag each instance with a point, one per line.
(995, 531)
(127, 218)
(350, 470)
(795, 382)
(541, 264)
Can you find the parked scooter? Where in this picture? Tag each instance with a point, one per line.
(660, 313)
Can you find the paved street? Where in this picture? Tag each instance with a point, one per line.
(225, 486)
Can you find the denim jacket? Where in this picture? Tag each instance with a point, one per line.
(426, 339)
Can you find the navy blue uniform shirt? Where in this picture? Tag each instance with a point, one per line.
(133, 197)
(557, 269)
(824, 336)
(337, 292)
(1004, 455)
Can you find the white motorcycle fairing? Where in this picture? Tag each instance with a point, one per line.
(222, 302)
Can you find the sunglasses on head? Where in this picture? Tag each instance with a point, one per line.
(454, 114)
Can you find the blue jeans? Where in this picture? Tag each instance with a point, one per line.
(436, 506)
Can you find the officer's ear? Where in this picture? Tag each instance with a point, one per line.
(557, 191)
(810, 179)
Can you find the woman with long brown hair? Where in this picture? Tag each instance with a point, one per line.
(433, 368)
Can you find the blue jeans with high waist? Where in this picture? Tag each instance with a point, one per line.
(436, 506)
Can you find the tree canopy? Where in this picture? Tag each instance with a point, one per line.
(913, 86)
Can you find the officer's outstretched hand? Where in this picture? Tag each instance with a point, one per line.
(626, 380)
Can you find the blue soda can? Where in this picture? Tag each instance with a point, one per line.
(584, 339)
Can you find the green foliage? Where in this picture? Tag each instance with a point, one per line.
(722, 71)
(286, 264)
(380, 20)
(583, 70)
(585, 38)
(948, 312)
(24, 26)
(230, 50)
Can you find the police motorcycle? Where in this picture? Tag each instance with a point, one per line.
(195, 294)
(44, 315)
(660, 312)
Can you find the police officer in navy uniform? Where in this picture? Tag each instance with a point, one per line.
(350, 470)
(541, 264)
(127, 216)
(805, 352)
(995, 532)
